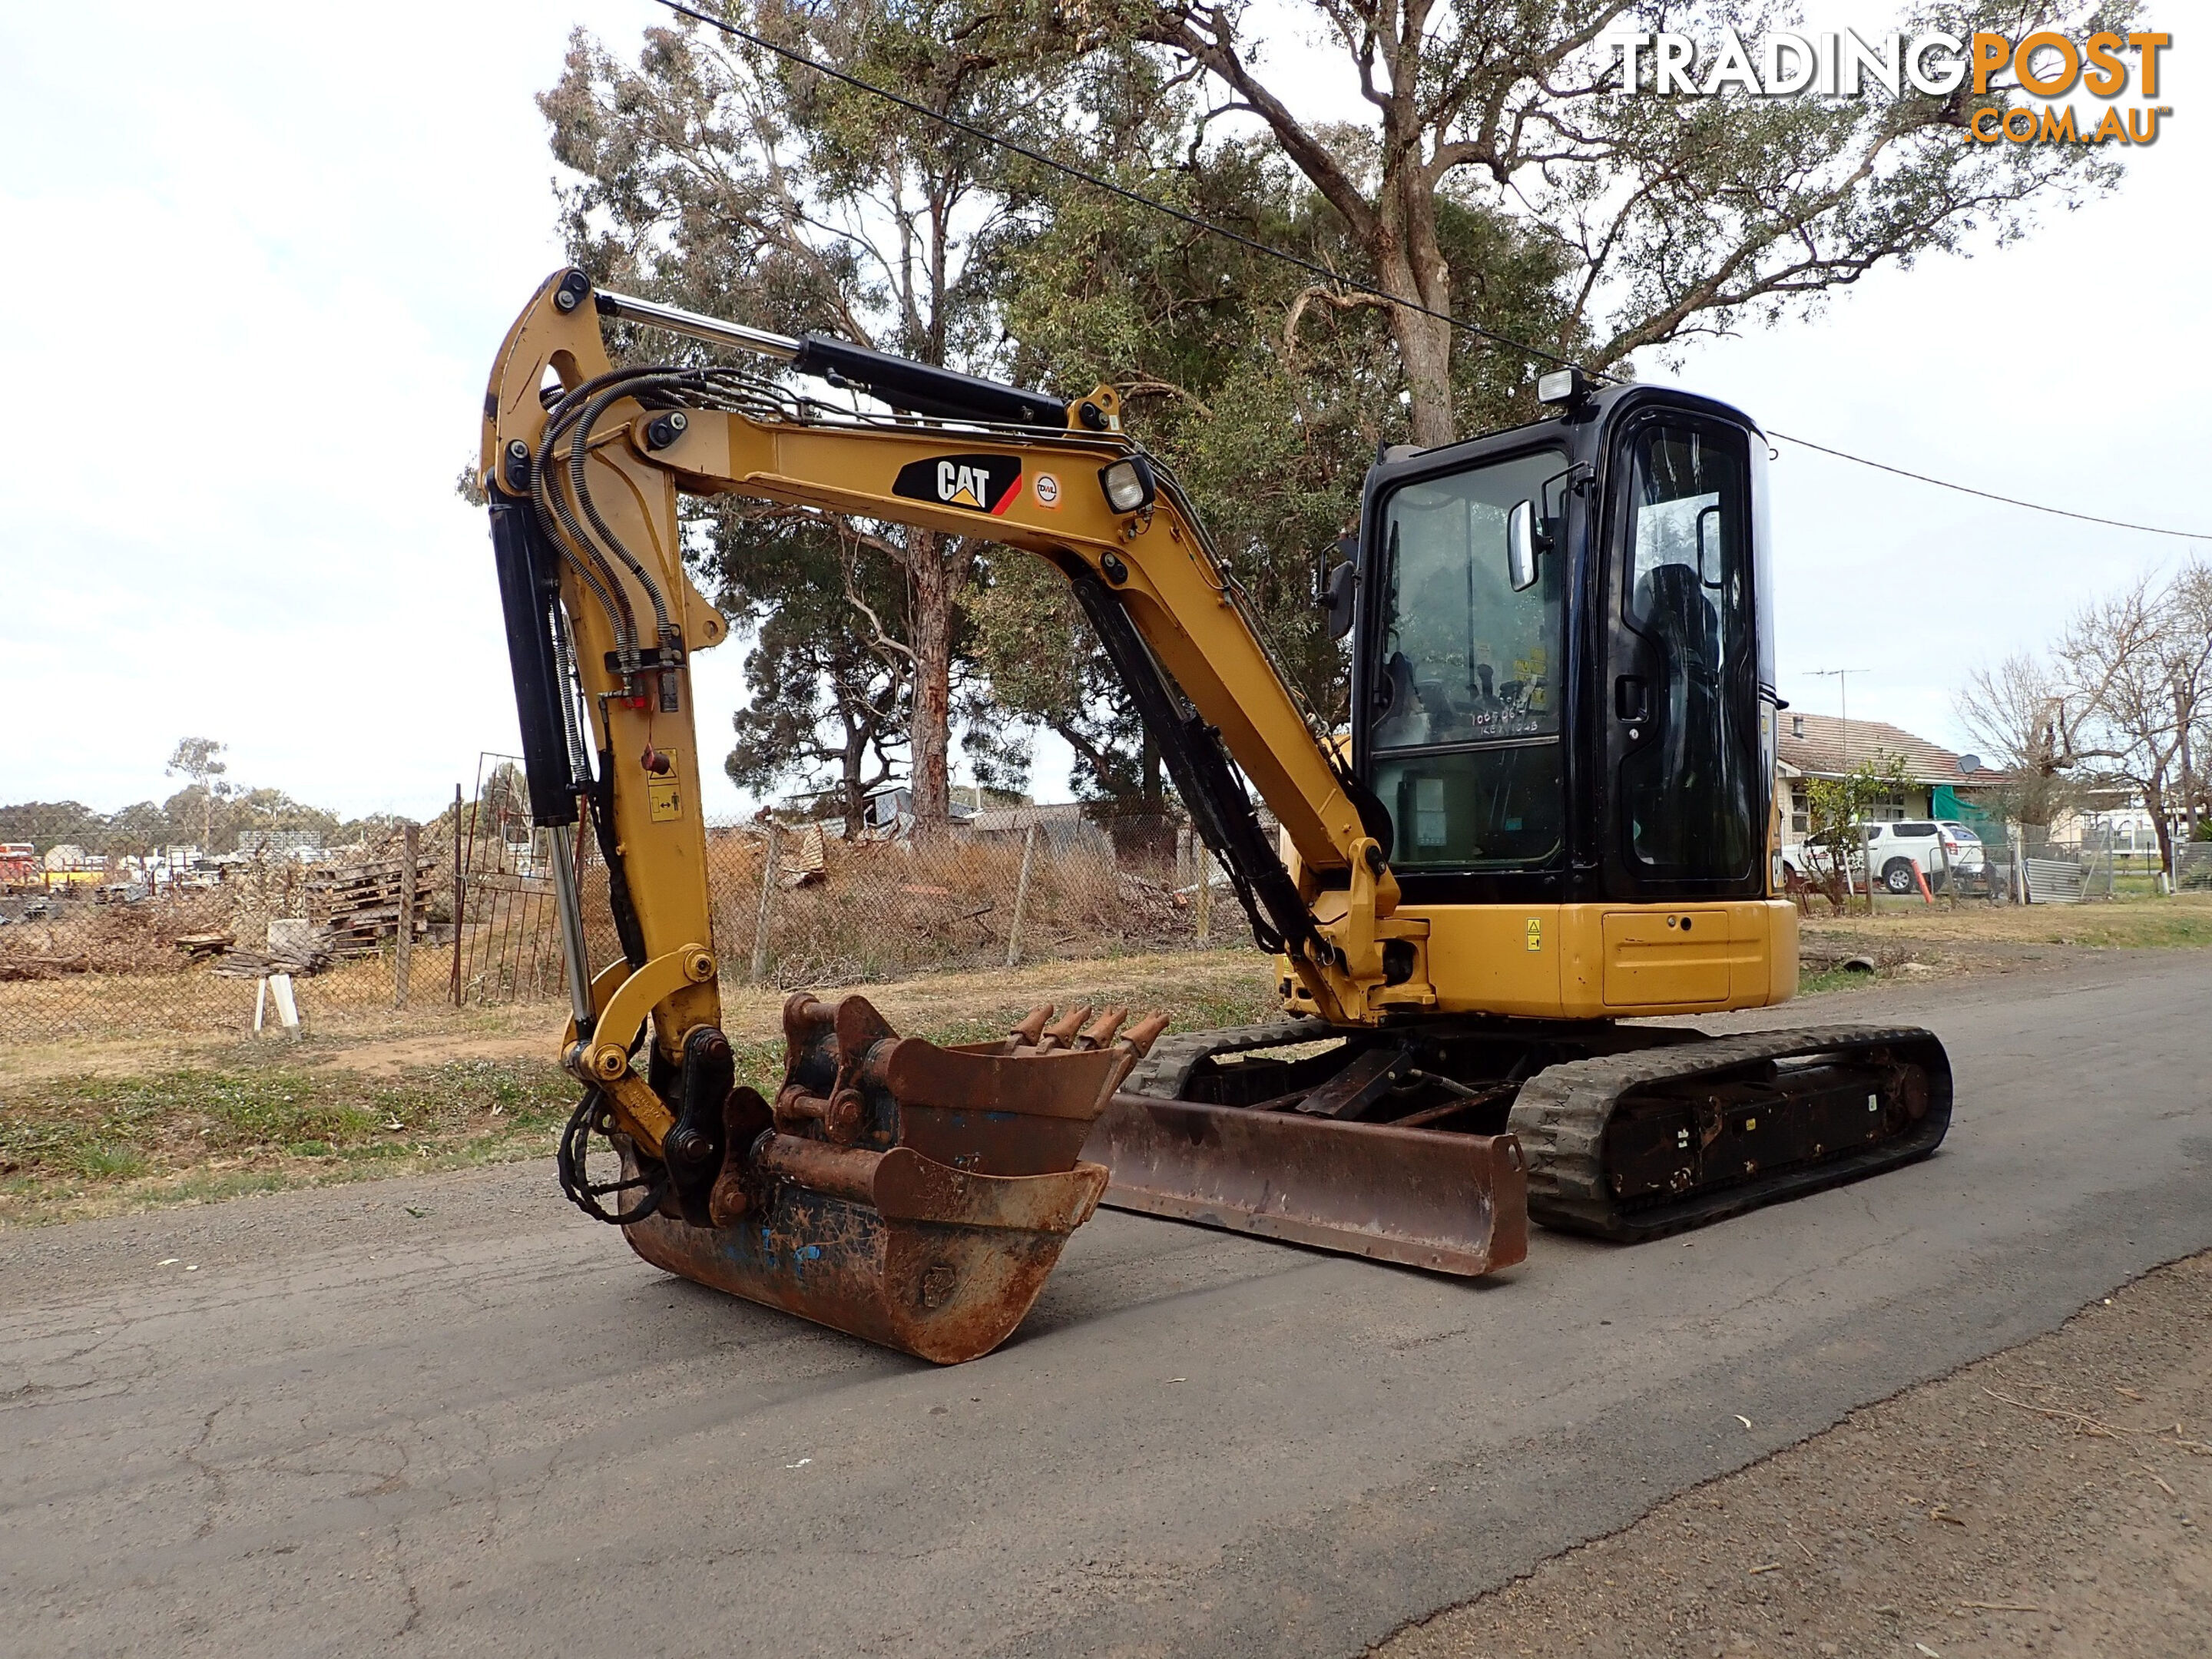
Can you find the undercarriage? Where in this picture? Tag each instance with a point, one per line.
(1418, 1145)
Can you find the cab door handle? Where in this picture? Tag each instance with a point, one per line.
(1628, 698)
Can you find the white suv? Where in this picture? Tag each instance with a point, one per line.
(1894, 851)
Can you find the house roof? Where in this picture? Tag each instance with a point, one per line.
(1831, 747)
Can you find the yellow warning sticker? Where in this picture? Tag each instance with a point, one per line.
(1535, 933)
(664, 804)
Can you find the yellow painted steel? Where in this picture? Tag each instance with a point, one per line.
(1604, 961)
(1559, 961)
(607, 1056)
(664, 852)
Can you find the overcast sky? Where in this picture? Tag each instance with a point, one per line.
(259, 258)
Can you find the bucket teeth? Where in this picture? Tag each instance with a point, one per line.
(1100, 1031)
(1146, 1032)
(1025, 1035)
(1037, 1033)
(1062, 1032)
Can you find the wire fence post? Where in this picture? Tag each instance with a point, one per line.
(1021, 894)
(403, 944)
(460, 895)
(1202, 862)
(764, 913)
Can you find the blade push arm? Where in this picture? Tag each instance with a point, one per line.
(590, 473)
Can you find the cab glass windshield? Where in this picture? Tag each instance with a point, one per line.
(1464, 722)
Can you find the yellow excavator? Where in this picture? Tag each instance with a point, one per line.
(1553, 814)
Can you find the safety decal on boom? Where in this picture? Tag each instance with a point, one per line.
(981, 484)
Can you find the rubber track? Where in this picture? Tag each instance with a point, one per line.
(1561, 1116)
(1162, 1074)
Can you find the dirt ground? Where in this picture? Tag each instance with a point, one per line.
(2052, 1499)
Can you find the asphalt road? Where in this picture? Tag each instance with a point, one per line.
(488, 1429)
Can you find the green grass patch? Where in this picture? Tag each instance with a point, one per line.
(205, 1131)
(246, 1121)
(2157, 923)
(1831, 979)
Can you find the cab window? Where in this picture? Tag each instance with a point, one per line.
(1464, 720)
(1690, 787)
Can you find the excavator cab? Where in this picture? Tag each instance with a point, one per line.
(1563, 678)
(1564, 707)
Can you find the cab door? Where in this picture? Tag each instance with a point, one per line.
(1687, 792)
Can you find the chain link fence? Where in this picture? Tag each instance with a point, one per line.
(2026, 864)
(791, 905)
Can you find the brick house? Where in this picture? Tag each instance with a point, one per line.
(1939, 783)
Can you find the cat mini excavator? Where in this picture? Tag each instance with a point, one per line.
(1553, 815)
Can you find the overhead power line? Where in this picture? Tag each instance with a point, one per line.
(1990, 495)
(1316, 268)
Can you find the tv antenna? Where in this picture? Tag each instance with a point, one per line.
(1842, 679)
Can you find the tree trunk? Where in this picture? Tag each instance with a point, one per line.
(930, 633)
(1412, 261)
(2185, 716)
(1425, 349)
(2154, 799)
(852, 761)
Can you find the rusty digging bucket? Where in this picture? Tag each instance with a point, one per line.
(913, 1195)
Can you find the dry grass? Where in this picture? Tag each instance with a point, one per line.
(182, 1108)
(89, 1128)
(72, 1146)
(128, 1005)
(887, 909)
(2185, 919)
(885, 912)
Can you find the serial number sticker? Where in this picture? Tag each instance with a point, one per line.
(664, 803)
(1535, 933)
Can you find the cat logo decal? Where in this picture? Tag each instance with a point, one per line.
(979, 483)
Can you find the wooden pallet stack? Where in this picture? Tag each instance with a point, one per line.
(360, 903)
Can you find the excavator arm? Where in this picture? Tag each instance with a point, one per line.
(587, 499)
(582, 464)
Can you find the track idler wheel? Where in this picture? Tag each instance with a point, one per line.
(915, 1195)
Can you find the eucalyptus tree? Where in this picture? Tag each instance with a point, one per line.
(1670, 214)
(713, 174)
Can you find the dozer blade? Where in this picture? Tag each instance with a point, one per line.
(1450, 1203)
(1301, 1166)
(913, 1195)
